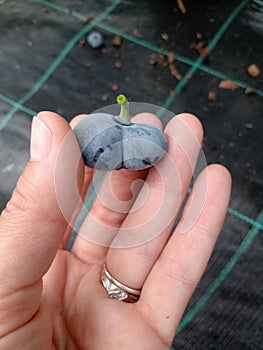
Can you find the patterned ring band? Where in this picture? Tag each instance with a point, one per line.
(117, 290)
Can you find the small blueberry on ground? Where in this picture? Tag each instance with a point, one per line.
(95, 39)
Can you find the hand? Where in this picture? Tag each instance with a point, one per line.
(53, 299)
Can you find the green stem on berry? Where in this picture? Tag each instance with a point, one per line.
(124, 114)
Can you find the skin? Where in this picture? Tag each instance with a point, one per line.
(53, 299)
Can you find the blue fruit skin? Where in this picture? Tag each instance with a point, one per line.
(97, 134)
(107, 143)
(95, 39)
(143, 146)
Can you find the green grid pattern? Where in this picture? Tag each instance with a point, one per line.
(194, 66)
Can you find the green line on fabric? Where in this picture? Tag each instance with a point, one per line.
(17, 105)
(150, 46)
(52, 5)
(243, 247)
(57, 62)
(61, 8)
(245, 218)
(177, 57)
(259, 2)
(223, 76)
(143, 43)
(212, 44)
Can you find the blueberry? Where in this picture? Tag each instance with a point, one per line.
(95, 40)
(108, 143)
(100, 141)
(143, 145)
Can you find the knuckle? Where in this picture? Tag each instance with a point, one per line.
(23, 196)
(106, 215)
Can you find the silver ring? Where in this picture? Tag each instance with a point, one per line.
(117, 290)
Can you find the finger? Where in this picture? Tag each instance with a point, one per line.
(146, 230)
(182, 262)
(88, 171)
(115, 198)
(34, 221)
(88, 174)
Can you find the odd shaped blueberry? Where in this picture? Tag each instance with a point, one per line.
(100, 138)
(143, 146)
(108, 143)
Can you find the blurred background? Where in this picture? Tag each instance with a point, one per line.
(202, 57)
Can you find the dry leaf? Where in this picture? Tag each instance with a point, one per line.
(105, 97)
(181, 6)
(44, 9)
(136, 33)
(249, 125)
(171, 57)
(105, 50)
(165, 36)
(118, 64)
(114, 87)
(81, 43)
(227, 84)
(211, 96)
(158, 59)
(117, 40)
(249, 91)
(200, 48)
(88, 19)
(253, 70)
(175, 72)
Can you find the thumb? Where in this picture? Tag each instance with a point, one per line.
(35, 219)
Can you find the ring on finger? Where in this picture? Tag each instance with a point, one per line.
(118, 290)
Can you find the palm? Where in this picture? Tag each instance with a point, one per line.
(86, 318)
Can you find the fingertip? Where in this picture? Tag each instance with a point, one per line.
(147, 118)
(189, 120)
(221, 175)
(76, 119)
(55, 122)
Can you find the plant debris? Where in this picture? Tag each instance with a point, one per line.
(249, 91)
(158, 59)
(253, 70)
(88, 19)
(105, 50)
(105, 97)
(228, 84)
(200, 48)
(174, 71)
(249, 125)
(114, 87)
(81, 43)
(44, 9)
(211, 96)
(136, 32)
(165, 36)
(171, 57)
(181, 6)
(117, 41)
(118, 64)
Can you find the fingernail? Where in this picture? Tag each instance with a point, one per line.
(41, 139)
